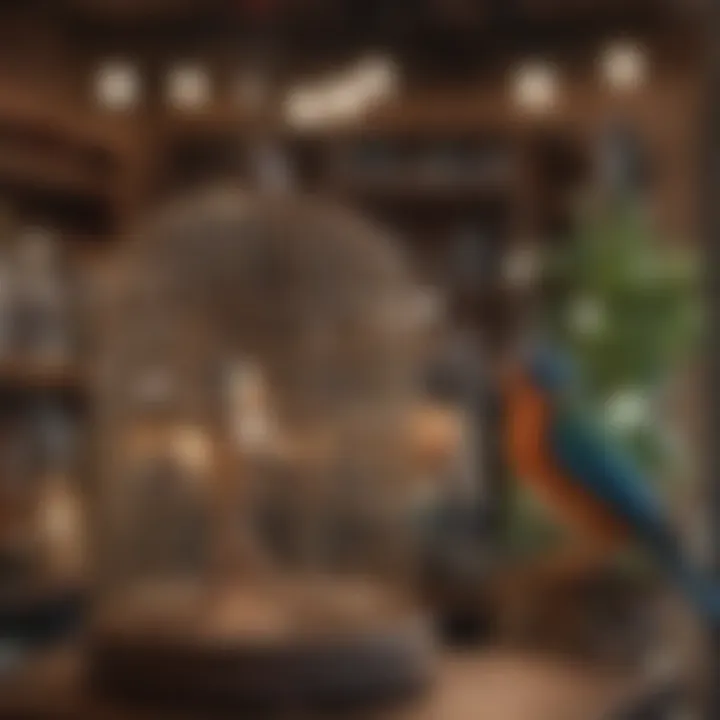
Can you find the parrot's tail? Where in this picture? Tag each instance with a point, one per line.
(698, 588)
(703, 594)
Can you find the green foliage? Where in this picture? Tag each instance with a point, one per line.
(644, 292)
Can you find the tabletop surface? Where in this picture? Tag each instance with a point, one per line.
(483, 685)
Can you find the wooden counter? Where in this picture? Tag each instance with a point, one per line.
(487, 685)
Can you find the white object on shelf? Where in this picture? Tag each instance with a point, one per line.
(188, 87)
(624, 65)
(117, 85)
(344, 97)
(374, 78)
(535, 86)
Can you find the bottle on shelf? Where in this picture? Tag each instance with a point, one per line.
(59, 512)
(43, 322)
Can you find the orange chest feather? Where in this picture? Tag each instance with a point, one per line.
(529, 455)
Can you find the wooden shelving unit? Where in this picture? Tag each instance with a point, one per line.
(60, 164)
(65, 171)
(92, 172)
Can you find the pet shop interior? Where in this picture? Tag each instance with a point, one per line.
(474, 480)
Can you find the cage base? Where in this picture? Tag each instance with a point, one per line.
(288, 644)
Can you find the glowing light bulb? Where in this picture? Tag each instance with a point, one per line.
(117, 85)
(535, 86)
(624, 66)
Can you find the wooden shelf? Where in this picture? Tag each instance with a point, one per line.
(214, 121)
(43, 175)
(54, 157)
(46, 119)
(18, 375)
(420, 191)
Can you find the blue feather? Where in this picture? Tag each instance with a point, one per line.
(588, 456)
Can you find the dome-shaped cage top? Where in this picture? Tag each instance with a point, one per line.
(260, 345)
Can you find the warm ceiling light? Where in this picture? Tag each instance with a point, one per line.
(534, 86)
(188, 87)
(315, 107)
(117, 85)
(624, 65)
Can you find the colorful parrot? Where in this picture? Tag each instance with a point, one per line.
(577, 471)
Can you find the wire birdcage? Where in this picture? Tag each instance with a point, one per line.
(257, 350)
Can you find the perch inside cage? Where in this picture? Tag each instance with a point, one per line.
(259, 366)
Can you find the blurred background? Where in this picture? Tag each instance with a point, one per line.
(537, 161)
